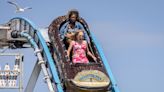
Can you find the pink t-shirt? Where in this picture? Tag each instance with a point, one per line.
(79, 52)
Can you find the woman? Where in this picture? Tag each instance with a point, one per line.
(69, 28)
(80, 48)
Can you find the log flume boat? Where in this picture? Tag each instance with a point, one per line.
(92, 77)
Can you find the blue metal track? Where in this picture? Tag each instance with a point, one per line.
(42, 44)
(106, 64)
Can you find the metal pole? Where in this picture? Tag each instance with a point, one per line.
(21, 73)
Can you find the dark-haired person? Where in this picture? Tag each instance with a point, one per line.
(69, 28)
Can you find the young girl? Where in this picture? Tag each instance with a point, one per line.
(80, 48)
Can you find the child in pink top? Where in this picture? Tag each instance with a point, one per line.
(80, 48)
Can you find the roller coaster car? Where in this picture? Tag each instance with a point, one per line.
(90, 77)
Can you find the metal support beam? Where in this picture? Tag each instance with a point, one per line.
(33, 78)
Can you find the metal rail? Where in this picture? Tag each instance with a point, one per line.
(106, 64)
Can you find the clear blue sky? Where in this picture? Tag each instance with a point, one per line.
(131, 33)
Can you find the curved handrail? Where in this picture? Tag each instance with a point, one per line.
(46, 52)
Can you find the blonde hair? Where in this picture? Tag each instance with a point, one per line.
(77, 33)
